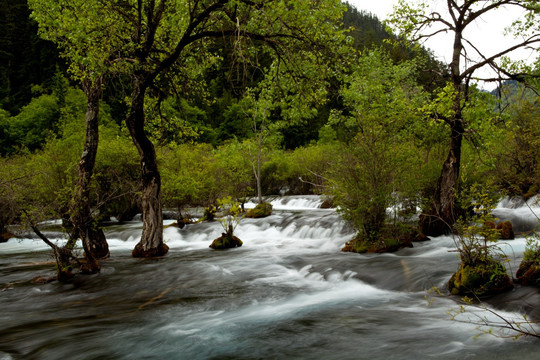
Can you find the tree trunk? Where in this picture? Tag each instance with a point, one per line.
(62, 256)
(443, 213)
(440, 219)
(93, 239)
(258, 175)
(151, 243)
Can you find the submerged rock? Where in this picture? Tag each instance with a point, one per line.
(483, 279)
(226, 241)
(40, 279)
(391, 240)
(363, 246)
(180, 223)
(260, 211)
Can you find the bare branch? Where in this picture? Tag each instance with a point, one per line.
(532, 40)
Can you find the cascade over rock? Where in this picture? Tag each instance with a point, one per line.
(291, 288)
(260, 211)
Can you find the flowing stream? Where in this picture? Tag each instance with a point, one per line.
(289, 292)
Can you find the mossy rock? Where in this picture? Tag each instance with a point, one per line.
(5, 236)
(226, 242)
(528, 273)
(506, 230)
(328, 203)
(482, 280)
(181, 223)
(391, 240)
(260, 211)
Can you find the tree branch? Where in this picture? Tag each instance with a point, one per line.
(532, 40)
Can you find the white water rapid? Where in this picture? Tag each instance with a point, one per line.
(287, 293)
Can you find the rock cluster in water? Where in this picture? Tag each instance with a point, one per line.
(506, 230)
(261, 210)
(392, 241)
(528, 273)
(226, 241)
(482, 279)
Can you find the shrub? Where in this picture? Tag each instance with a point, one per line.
(481, 271)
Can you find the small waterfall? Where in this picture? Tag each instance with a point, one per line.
(288, 292)
(303, 202)
(523, 215)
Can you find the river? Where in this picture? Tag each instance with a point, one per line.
(288, 293)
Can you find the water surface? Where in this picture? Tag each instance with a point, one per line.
(287, 293)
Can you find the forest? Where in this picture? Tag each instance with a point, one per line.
(191, 111)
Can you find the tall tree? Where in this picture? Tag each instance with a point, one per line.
(376, 166)
(417, 23)
(68, 24)
(150, 37)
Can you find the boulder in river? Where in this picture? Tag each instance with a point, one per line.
(506, 230)
(260, 211)
(482, 279)
(226, 241)
(392, 239)
(529, 269)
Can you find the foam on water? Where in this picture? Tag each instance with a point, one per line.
(292, 202)
(525, 217)
(287, 293)
(340, 289)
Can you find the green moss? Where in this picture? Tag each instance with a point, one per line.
(481, 279)
(260, 211)
(226, 242)
(529, 268)
(391, 239)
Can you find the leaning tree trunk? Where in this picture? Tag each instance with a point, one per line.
(62, 256)
(151, 243)
(443, 213)
(258, 171)
(93, 239)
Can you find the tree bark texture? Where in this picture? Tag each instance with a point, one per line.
(62, 256)
(258, 174)
(84, 226)
(443, 214)
(151, 243)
